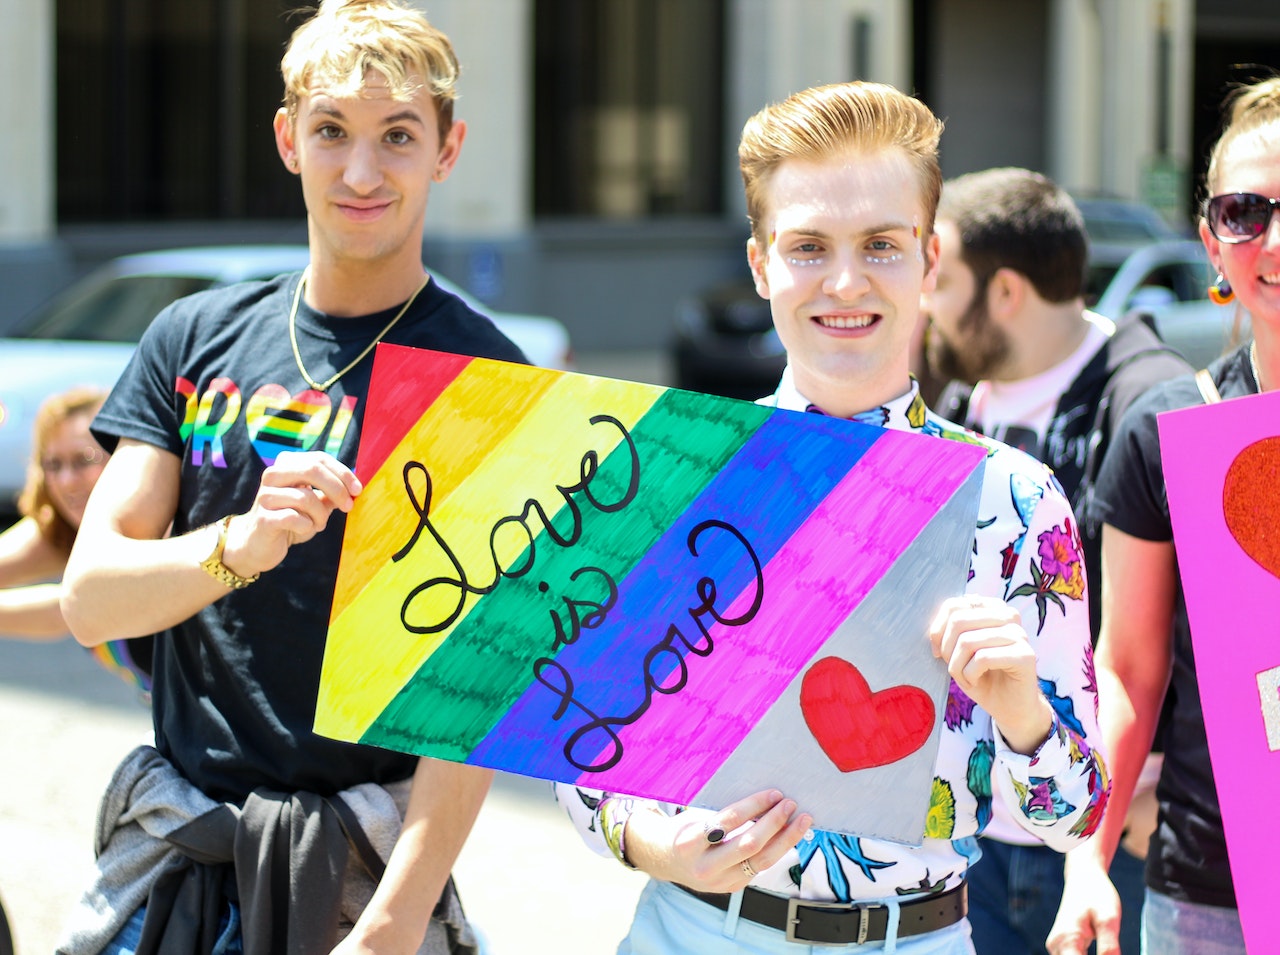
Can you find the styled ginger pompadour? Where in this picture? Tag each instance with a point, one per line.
(348, 38)
(837, 120)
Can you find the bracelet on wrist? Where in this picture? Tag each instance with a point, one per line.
(614, 812)
(215, 568)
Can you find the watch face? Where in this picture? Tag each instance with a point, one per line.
(219, 543)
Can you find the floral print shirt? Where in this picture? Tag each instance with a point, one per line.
(1026, 551)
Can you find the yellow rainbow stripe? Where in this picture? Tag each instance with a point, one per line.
(447, 439)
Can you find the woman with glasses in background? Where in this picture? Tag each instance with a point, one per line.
(66, 462)
(1145, 641)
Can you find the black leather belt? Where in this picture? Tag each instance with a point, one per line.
(840, 923)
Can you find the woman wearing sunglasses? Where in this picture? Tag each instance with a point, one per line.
(1145, 643)
(65, 465)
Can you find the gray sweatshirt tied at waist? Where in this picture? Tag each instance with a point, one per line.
(285, 857)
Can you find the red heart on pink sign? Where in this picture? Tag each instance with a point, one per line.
(856, 728)
(1251, 502)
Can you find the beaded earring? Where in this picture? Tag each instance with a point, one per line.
(1220, 292)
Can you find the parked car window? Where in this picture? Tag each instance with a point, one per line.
(116, 310)
(1183, 280)
(1097, 278)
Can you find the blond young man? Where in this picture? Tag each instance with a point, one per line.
(236, 425)
(842, 183)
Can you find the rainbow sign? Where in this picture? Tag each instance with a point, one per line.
(645, 590)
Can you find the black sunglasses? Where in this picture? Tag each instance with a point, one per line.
(1239, 216)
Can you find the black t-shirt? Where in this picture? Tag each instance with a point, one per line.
(1188, 857)
(215, 382)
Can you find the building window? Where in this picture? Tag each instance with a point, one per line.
(164, 109)
(628, 108)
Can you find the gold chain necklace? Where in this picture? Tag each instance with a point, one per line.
(293, 333)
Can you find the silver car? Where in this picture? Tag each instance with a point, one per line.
(1168, 281)
(85, 335)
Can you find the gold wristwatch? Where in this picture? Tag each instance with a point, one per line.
(215, 568)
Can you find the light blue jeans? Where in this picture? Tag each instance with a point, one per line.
(669, 921)
(1172, 927)
(229, 943)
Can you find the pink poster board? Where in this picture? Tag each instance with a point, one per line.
(1222, 470)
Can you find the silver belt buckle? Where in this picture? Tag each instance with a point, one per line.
(864, 918)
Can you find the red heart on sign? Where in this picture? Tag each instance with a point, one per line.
(1251, 502)
(856, 728)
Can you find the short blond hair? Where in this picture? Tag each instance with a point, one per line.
(835, 120)
(348, 38)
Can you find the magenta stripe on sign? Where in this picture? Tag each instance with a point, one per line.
(829, 565)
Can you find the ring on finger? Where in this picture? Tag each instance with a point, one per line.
(713, 833)
(748, 868)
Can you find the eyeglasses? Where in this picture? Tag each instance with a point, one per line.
(1239, 216)
(88, 458)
